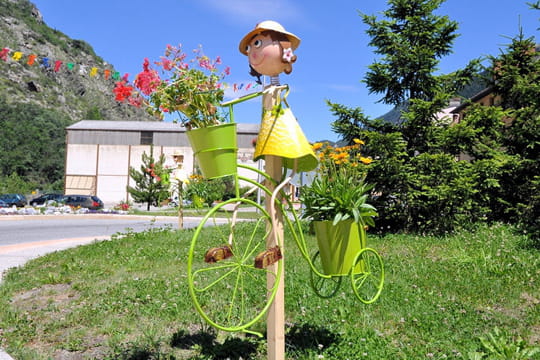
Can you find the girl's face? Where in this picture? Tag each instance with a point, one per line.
(265, 55)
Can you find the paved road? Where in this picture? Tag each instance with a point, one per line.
(26, 237)
(16, 230)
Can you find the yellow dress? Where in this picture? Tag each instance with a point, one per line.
(280, 135)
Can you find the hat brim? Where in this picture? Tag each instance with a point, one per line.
(295, 40)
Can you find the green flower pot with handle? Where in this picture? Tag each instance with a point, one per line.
(215, 149)
(338, 245)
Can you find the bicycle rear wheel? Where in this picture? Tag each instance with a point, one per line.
(228, 266)
(324, 286)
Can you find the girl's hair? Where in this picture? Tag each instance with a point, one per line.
(284, 43)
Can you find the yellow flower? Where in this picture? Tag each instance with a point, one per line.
(317, 146)
(365, 160)
(358, 141)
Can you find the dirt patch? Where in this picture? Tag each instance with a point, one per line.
(40, 298)
(529, 299)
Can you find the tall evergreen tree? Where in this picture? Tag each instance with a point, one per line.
(411, 40)
(412, 195)
(151, 182)
(516, 79)
(420, 186)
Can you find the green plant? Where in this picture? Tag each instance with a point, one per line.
(151, 182)
(191, 88)
(501, 346)
(38, 157)
(197, 190)
(205, 191)
(338, 191)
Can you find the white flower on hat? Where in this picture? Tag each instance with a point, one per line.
(288, 54)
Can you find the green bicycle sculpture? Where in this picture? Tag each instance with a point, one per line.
(228, 262)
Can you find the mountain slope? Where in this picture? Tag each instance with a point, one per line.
(71, 88)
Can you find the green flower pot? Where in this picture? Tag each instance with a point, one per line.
(338, 245)
(215, 149)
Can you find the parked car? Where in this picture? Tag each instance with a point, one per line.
(4, 204)
(46, 198)
(91, 202)
(18, 200)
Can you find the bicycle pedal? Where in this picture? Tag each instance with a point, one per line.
(268, 257)
(216, 254)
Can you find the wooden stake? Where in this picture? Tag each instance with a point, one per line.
(275, 322)
(180, 205)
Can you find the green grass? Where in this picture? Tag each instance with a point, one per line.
(127, 298)
(172, 211)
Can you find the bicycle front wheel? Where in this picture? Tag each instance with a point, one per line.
(229, 266)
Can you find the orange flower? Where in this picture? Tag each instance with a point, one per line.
(317, 146)
(365, 160)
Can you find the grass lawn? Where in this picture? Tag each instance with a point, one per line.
(187, 212)
(465, 296)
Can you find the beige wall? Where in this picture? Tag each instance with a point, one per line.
(103, 170)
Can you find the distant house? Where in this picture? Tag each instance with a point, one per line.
(486, 97)
(99, 153)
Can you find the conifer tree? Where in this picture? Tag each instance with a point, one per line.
(151, 182)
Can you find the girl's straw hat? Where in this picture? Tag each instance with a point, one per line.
(264, 26)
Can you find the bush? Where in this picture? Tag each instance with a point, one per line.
(203, 191)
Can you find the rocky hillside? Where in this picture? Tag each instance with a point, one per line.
(69, 88)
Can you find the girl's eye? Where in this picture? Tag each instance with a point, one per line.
(248, 48)
(257, 43)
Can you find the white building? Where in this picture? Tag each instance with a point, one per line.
(99, 153)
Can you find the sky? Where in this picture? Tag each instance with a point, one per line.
(333, 56)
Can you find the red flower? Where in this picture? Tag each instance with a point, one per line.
(122, 91)
(147, 80)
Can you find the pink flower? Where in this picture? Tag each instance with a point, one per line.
(136, 101)
(148, 79)
(166, 64)
(204, 63)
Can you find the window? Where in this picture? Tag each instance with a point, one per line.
(147, 137)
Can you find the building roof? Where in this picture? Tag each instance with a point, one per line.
(479, 95)
(162, 126)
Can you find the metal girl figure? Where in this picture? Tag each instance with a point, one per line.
(270, 51)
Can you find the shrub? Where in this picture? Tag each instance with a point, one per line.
(205, 191)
